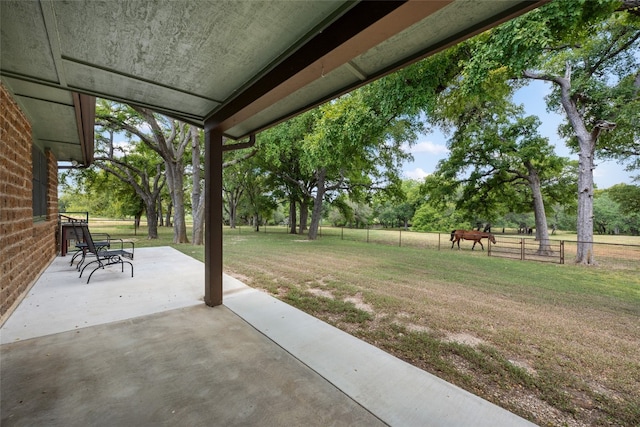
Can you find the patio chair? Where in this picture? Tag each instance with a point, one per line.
(105, 256)
(81, 246)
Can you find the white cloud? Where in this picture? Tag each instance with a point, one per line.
(427, 147)
(417, 173)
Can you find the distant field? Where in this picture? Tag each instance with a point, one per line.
(386, 235)
(557, 344)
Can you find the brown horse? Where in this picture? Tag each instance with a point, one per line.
(476, 236)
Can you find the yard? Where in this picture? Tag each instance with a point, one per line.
(557, 344)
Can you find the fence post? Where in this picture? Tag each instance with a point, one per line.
(400, 240)
(439, 241)
(561, 251)
(522, 249)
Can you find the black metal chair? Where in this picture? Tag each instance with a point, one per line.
(105, 256)
(81, 246)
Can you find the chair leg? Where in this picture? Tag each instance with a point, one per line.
(102, 265)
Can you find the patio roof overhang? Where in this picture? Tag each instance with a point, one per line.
(232, 67)
(238, 65)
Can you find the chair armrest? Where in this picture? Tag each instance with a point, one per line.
(127, 242)
(101, 240)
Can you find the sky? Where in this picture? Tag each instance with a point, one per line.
(431, 147)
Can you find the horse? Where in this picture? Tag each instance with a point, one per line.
(476, 236)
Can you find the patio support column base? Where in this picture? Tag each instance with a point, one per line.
(213, 218)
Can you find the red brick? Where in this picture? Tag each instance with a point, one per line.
(18, 232)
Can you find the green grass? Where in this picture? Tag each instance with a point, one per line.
(564, 336)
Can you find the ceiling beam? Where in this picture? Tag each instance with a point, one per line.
(85, 109)
(355, 21)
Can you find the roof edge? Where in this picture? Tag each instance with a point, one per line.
(85, 109)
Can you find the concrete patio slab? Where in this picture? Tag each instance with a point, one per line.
(195, 366)
(147, 351)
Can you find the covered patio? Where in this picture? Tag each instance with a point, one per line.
(146, 350)
(232, 68)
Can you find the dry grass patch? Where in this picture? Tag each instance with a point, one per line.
(555, 344)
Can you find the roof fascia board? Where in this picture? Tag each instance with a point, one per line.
(349, 25)
(411, 11)
(394, 22)
(85, 109)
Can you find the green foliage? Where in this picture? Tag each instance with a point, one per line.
(615, 210)
(520, 44)
(436, 219)
(604, 85)
(628, 196)
(99, 193)
(398, 209)
(358, 144)
(497, 158)
(350, 147)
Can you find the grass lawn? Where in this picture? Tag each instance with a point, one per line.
(557, 344)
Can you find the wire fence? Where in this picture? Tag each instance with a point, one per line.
(558, 251)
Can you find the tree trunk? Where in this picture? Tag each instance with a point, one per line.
(198, 223)
(171, 147)
(197, 196)
(175, 179)
(167, 221)
(136, 221)
(586, 141)
(233, 199)
(160, 217)
(293, 218)
(152, 218)
(585, 205)
(233, 213)
(256, 222)
(542, 233)
(316, 214)
(304, 215)
(139, 180)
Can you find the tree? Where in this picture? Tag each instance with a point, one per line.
(398, 209)
(494, 152)
(236, 179)
(280, 152)
(356, 146)
(259, 203)
(590, 56)
(437, 218)
(197, 193)
(168, 138)
(138, 168)
(627, 195)
(628, 199)
(607, 217)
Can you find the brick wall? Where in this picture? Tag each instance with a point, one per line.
(26, 247)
